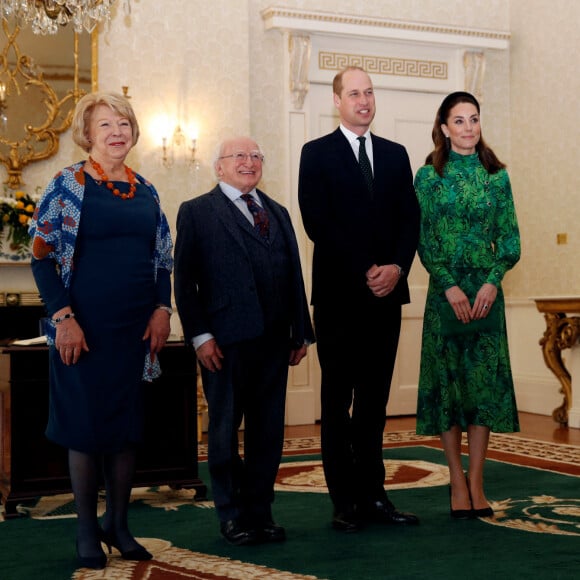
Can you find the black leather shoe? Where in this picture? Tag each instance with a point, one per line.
(236, 534)
(345, 520)
(483, 513)
(486, 512)
(93, 562)
(384, 512)
(139, 553)
(270, 532)
(463, 514)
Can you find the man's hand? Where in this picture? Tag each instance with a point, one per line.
(382, 280)
(210, 355)
(297, 354)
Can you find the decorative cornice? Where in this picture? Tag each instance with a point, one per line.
(305, 21)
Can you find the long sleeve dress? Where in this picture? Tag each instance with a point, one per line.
(119, 261)
(469, 237)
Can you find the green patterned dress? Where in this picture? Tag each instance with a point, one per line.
(469, 236)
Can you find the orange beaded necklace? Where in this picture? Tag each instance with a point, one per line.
(130, 178)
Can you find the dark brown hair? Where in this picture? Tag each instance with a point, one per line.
(440, 155)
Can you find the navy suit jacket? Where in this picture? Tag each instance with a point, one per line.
(214, 282)
(351, 229)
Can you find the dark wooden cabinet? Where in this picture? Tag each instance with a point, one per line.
(32, 466)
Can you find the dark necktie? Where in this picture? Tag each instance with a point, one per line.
(365, 164)
(261, 221)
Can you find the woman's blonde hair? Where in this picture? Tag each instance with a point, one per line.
(85, 108)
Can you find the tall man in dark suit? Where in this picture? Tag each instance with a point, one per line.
(240, 295)
(359, 208)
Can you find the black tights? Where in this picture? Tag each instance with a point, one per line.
(85, 470)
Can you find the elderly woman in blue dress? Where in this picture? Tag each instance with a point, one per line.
(102, 262)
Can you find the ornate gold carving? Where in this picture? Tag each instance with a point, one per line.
(561, 332)
(384, 65)
(37, 139)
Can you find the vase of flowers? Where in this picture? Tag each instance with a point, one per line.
(15, 213)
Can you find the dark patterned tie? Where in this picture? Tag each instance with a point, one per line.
(365, 164)
(261, 221)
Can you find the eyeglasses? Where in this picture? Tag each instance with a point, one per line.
(240, 156)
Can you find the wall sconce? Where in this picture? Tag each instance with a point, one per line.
(179, 141)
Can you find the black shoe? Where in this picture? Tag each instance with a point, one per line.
(93, 562)
(459, 514)
(486, 512)
(345, 520)
(384, 512)
(236, 534)
(139, 553)
(483, 513)
(270, 532)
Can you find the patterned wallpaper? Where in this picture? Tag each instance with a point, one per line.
(545, 117)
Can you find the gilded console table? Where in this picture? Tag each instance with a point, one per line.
(562, 331)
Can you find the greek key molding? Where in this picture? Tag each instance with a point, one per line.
(384, 65)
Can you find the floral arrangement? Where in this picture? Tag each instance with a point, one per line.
(15, 214)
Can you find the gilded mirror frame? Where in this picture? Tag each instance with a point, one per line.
(38, 140)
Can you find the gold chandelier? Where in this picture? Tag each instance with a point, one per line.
(45, 16)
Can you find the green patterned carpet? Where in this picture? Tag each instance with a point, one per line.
(536, 532)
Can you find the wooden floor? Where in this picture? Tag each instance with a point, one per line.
(541, 427)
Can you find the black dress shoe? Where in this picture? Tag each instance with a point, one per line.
(270, 532)
(345, 521)
(384, 512)
(237, 534)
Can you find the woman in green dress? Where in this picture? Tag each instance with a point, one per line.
(469, 240)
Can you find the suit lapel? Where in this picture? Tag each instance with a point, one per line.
(221, 205)
(224, 209)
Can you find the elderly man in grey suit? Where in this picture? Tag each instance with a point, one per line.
(241, 300)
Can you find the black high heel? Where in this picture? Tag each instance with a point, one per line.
(93, 562)
(459, 514)
(486, 512)
(140, 553)
(483, 512)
